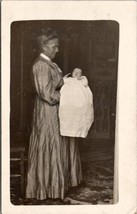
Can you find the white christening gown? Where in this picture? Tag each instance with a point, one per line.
(76, 113)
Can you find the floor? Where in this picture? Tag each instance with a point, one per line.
(97, 157)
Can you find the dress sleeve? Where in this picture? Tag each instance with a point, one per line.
(43, 83)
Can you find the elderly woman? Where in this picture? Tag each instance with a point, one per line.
(53, 160)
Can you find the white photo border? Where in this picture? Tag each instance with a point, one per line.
(124, 12)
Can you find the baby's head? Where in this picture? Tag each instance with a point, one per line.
(77, 72)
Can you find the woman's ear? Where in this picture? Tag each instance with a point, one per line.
(44, 48)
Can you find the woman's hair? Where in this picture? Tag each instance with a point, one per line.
(45, 36)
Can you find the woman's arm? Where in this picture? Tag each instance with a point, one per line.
(43, 83)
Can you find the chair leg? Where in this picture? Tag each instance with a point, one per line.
(22, 172)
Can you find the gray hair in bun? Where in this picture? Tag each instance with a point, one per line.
(45, 36)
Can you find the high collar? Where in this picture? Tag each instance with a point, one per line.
(45, 57)
(50, 62)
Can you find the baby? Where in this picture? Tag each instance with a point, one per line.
(76, 112)
(77, 73)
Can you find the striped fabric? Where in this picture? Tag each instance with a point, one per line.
(53, 161)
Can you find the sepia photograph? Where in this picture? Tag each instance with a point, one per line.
(68, 107)
(63, 107)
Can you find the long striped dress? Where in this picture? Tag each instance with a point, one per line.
(53, 160)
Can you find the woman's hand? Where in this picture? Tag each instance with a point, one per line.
(67, 75)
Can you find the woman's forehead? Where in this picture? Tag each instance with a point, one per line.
(53, 42)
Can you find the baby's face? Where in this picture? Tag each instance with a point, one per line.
(77, 73)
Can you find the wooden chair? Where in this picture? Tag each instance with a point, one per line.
(17, 153)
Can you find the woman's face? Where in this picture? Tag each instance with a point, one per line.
(51, 48)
